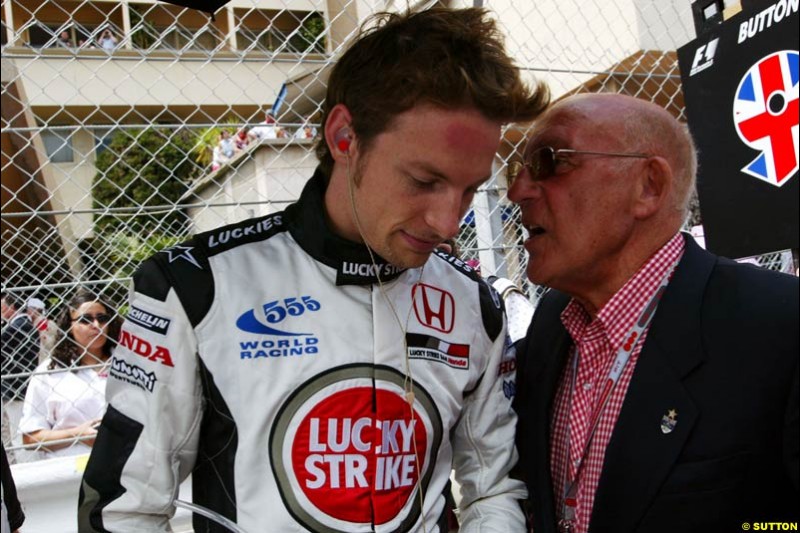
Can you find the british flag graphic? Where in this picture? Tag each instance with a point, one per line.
(765, 112)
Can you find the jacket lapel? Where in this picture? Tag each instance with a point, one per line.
(640, 454)
(548, 347)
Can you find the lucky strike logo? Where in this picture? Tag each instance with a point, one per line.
(344, 453)
(348, 453)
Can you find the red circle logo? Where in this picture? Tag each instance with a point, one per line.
(357, 454)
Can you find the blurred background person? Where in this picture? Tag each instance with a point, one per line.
(66, 397)
(107, 41)
(306, 131)
(268, 129)
(227, 145)
(241, 140)
(19, 346)
(64, 41)
(46, 328)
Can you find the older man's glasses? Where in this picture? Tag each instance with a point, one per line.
(544, 162)
(101, 318)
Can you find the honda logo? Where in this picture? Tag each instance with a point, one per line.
(434, 307)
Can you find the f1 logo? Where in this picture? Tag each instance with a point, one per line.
(704, 57)
(434, 307)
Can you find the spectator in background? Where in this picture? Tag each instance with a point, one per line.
(64, 41)
(67, 404)
(268, 129)
(223, 151)
(46, 328)
(227, 145)
(107, 41)
(519, 308)
(241, 140)
(306, 131)
(20, 354)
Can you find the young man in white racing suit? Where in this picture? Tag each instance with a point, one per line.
(319, 369)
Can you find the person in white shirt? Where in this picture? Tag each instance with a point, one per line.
(268, 129)
(107, 41)
(47, 328)
(66, 397)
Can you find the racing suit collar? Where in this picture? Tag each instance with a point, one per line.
(310, 229)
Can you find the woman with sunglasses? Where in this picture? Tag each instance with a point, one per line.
(66, 396)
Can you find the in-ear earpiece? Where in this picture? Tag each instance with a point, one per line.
(342, 139)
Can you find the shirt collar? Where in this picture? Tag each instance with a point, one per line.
(618, 315)
(311, 230)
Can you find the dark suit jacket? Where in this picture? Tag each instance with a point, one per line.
(20, 348)
(722, 350)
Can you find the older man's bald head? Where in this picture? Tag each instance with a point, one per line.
(636, 126)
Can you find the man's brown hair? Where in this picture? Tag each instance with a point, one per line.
(450, 58)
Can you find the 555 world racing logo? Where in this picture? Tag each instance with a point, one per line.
(283, 342)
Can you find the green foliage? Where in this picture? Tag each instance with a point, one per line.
(305, 39)
(127, 251)
(142, 169)
(208, 139)
(144, 34)
(117, 255)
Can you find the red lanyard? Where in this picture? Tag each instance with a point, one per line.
(569, 506)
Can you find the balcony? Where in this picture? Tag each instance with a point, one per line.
(161, 56)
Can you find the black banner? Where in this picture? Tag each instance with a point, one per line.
(740, 84)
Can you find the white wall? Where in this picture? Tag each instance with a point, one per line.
(48, 491)
(270, 177)
(568, 43)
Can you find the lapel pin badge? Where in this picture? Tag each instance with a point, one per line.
(669, 421)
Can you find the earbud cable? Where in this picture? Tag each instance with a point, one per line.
(408, 379)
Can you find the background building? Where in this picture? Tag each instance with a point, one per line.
(107, 142)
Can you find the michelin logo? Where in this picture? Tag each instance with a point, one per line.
(133, 374)
(149, 321)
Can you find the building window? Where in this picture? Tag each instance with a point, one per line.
(102, 139)
(40, 35)
(58, 145)
(180, 38)
(261, 30)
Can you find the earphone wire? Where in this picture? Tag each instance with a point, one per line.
(408, 379)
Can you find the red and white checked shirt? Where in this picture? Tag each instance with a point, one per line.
(597, 342)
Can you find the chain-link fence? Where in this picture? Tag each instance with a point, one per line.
(128, 126)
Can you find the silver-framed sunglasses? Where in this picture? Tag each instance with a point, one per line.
(542, 162)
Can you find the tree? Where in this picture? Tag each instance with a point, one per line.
(143, 34)
(309, 36)
(139, 180)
